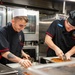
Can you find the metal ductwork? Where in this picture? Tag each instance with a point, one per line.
(46, 7)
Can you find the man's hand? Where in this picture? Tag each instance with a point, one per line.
(59, 53)
(25, 63)
(70, 53)
(68, 56)
(26, 56)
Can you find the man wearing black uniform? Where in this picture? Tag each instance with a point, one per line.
(60, 37)
(12, 39)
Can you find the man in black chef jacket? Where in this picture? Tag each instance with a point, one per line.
(12, 39)
(60, 37)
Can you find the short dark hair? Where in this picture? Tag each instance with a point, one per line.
(21, 18)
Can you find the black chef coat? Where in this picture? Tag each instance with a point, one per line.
(60, 37)
(10, 40)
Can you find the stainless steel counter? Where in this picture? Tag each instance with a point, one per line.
(62, 68)
(21, 69)
(4, 70)
(47, 69)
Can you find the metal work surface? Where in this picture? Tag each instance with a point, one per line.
(65, 68)
(21, 70)
(4, 70)
(61, 68)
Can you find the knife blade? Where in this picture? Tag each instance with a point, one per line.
(64, 58)
(31, 59)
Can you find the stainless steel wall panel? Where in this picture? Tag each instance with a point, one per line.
(43, 26)
(31, 37)
(2, 16)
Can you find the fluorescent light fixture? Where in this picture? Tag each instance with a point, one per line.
(70, 0)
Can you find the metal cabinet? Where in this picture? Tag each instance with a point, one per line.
(2, 16)
(32, 29)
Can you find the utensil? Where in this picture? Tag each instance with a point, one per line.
(31, 59)
(64, 58)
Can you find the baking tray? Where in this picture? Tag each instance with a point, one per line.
(49, 59)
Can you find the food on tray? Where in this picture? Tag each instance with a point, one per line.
(25, 73)
(58, 60)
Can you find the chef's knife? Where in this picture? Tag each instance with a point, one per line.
(64, 58)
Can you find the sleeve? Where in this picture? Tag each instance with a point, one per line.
(4, 45)
(52, 29)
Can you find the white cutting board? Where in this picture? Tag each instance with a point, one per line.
(14, 65)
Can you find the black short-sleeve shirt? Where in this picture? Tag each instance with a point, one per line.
(60, 37)
(10, 40)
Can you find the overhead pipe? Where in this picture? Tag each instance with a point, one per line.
(64, 4)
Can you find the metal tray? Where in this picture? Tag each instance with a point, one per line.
(49, 59)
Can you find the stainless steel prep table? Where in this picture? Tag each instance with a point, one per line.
(63, 68)
(4, 70)
(21, 70)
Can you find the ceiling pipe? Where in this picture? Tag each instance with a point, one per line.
(64, 4)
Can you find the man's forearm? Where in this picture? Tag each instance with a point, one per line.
(8, 55)
(50, 43)
(11, 57)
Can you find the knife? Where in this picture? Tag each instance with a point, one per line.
(31, 59)
(64, 58)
